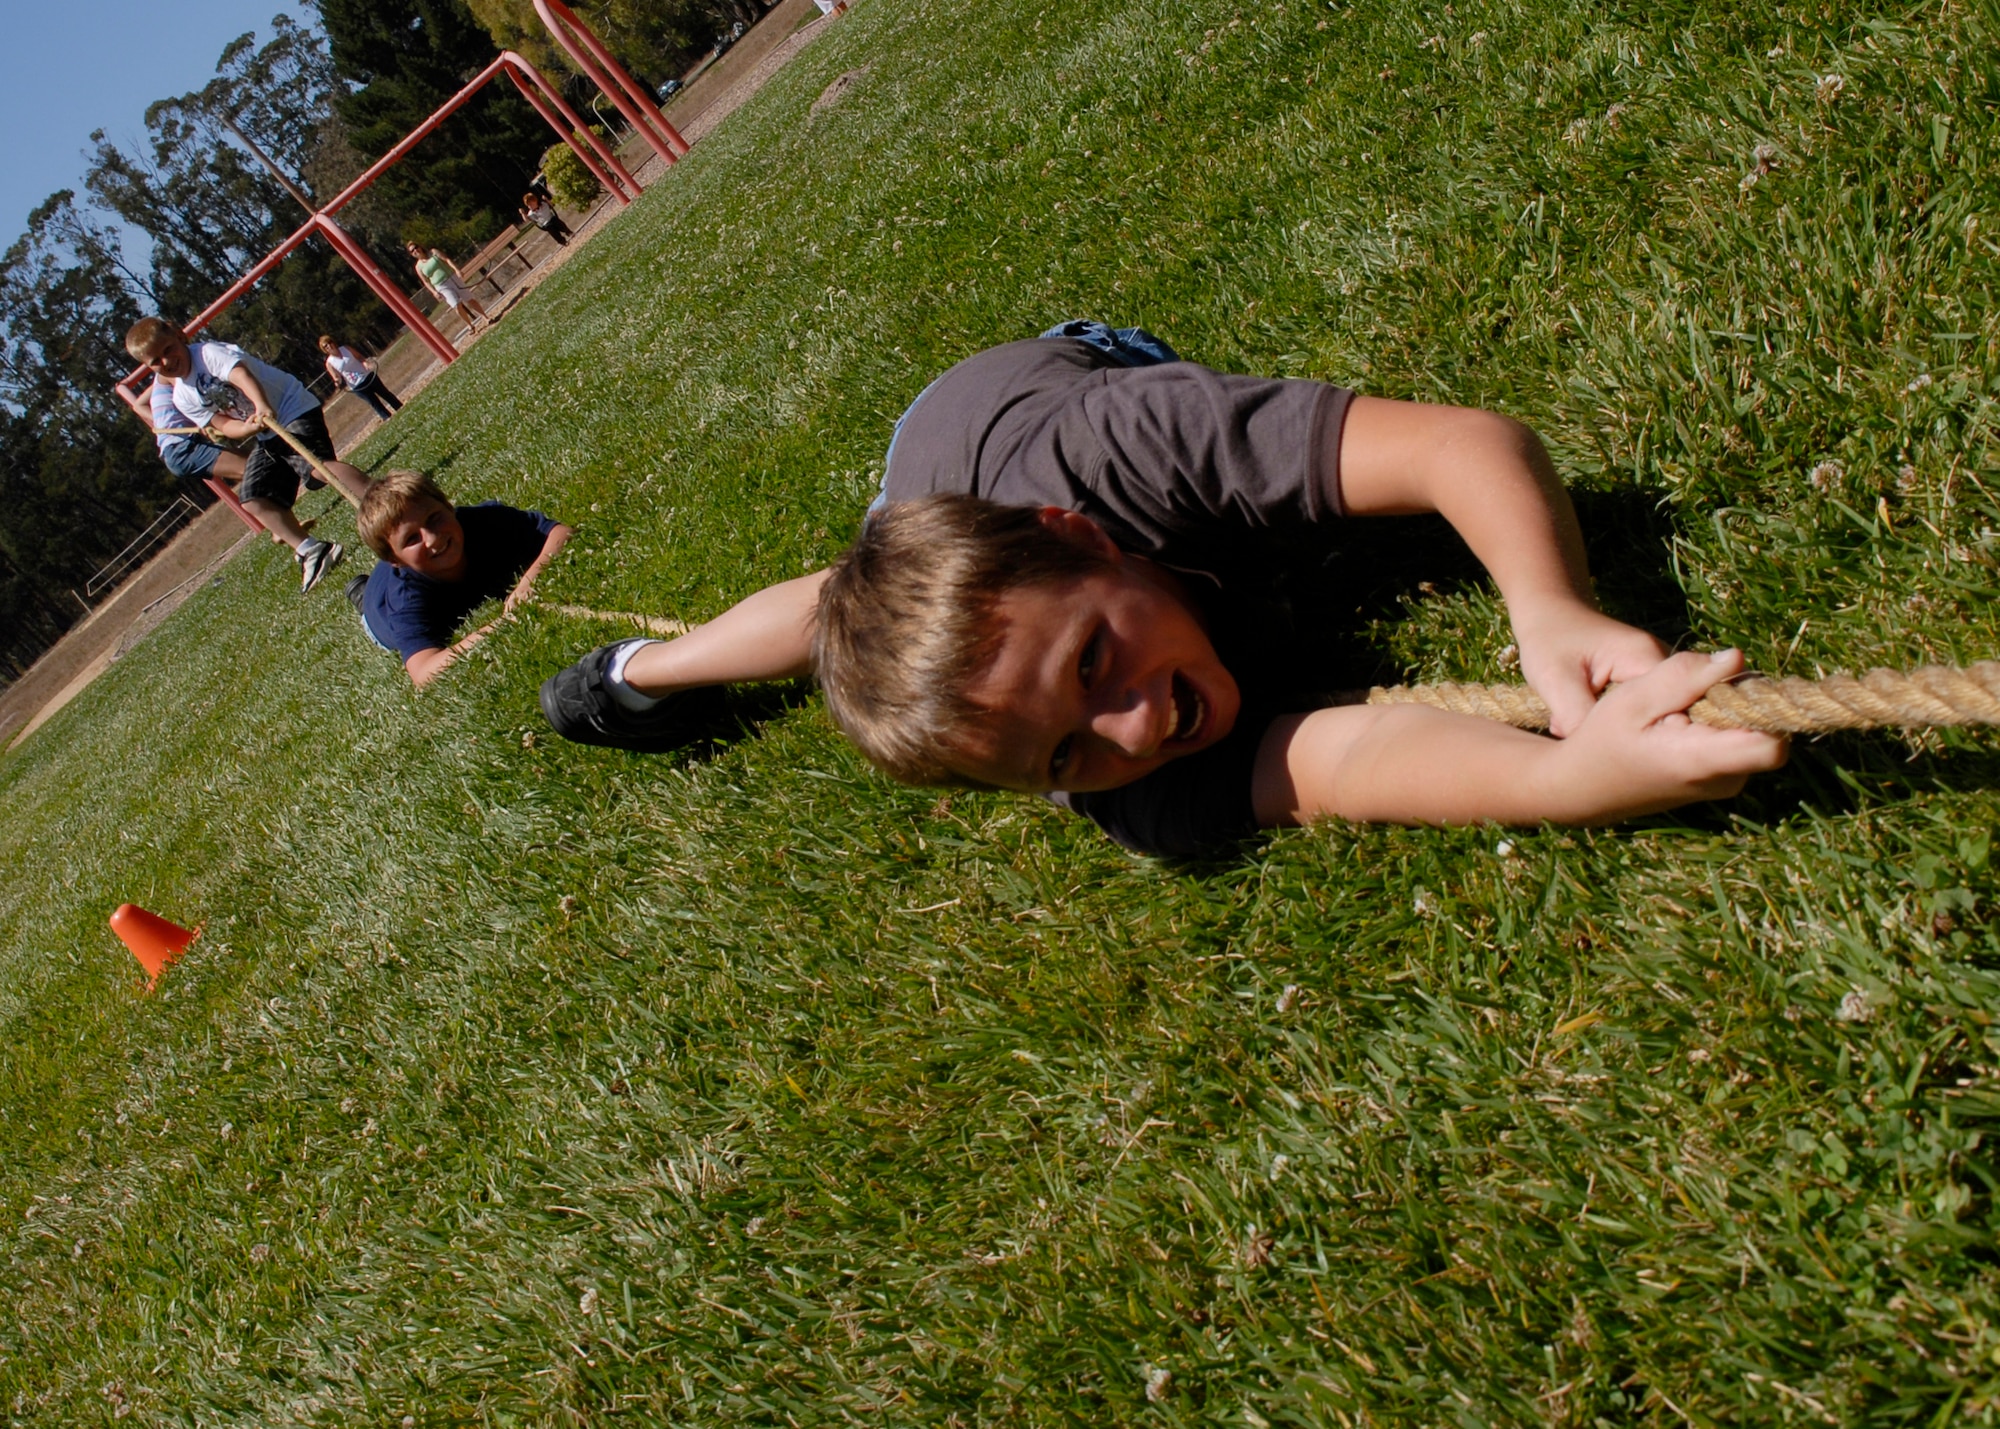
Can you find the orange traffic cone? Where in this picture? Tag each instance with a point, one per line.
(153, 940)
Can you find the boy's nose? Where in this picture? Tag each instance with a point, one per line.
(1133, 721)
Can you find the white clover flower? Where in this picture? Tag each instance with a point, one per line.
(1577, 129)
(1423, 905)
(1289, 998)
(587, 1302)
(1827, 474)
(1855, 1007)
(1763, 159)
(1828, 87)
(1157, 1381)
(1918, 383)
(1505, 848)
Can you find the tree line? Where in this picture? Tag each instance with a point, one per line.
(79, 477)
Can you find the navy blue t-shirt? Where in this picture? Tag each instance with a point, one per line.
(408, 612)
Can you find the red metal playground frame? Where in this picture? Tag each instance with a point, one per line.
(596, 64)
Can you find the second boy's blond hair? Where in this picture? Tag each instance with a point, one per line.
(906, 623)
(147, 338)
(390, 498)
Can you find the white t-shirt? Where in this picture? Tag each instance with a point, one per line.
(205, 393)
(348, 367)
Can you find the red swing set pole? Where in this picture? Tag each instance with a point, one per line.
(590, 56)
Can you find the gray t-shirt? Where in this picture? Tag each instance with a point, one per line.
(1222, 478)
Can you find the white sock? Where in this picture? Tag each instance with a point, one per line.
(614, 678)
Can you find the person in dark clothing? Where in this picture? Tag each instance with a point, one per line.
(439, 564)
(539, 211)
(1064, 586)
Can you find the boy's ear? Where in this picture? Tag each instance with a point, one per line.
(1079, 530)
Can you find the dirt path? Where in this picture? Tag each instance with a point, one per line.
(115, 626)
(407, 367)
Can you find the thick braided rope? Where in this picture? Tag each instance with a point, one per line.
(1930, 696)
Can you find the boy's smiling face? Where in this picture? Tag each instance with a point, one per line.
(1098, 682)
(172, 360)
(428, 539)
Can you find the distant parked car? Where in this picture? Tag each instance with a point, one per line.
(671, 88)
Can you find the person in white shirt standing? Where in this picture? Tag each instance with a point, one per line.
(219, 387)
(358, 375)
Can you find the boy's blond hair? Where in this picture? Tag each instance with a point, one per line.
(146, 338)
(390, 498)
(906, 622)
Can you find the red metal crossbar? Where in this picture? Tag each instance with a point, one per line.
(595, 61)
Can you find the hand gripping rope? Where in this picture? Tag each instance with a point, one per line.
(271, 424)
(1930, 696)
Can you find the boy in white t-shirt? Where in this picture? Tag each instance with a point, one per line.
(221, 388)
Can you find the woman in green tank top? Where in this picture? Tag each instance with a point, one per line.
(441, 276)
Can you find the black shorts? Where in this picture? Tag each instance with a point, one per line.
(273, 471)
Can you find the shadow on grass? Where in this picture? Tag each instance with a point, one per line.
(742, 714)
(1841, 774)
(1376, 567)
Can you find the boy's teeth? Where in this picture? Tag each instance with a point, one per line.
(1185, 724)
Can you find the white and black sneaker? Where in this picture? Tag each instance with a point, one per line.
(316, 558)
(578, 704)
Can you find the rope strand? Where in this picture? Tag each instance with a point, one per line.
(1930, 696)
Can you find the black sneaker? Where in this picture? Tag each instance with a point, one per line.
(578, 706)
(316, 558)
(357, 594)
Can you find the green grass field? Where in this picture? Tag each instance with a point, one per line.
(513, 1082)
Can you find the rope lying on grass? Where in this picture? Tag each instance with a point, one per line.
(651, 624)
(1932, 695)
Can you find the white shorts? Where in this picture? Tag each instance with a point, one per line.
(451, 291)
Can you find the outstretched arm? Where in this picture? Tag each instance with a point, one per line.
(1493, 480)
(765, 637)
(557, 538)
(1635, 752)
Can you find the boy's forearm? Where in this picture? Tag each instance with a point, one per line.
(1405, 764)
(241, 379)
(557, 538)
(1492, 479)
(1488, 475)
(232, 428)
(767, 636)
(1635, 753)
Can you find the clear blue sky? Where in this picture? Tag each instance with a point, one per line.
(70, 66)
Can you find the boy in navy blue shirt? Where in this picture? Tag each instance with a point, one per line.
(439, 564)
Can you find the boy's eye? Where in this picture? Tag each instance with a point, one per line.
(1086, 663)
(1059, 761)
